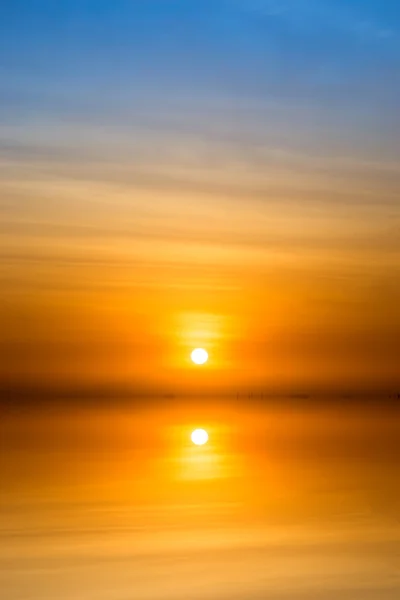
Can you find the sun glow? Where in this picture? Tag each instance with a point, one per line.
(199, 356)
(199, 437)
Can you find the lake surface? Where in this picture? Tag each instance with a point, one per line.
(290, 499)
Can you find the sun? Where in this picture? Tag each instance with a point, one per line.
(199, 437)
(199, 356)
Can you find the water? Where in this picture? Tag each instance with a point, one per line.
(290, 499)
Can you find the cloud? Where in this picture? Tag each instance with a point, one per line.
(308, 14)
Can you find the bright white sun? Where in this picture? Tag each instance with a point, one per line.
(199, 437)
(199, 356)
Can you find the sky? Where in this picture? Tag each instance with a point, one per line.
(222, 174)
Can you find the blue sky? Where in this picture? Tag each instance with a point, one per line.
(330, 65)
(300, 50)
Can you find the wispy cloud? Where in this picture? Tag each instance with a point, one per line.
(305, 14)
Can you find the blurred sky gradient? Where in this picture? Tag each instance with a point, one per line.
(220, 173)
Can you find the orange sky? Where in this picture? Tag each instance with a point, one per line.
(287, 273)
